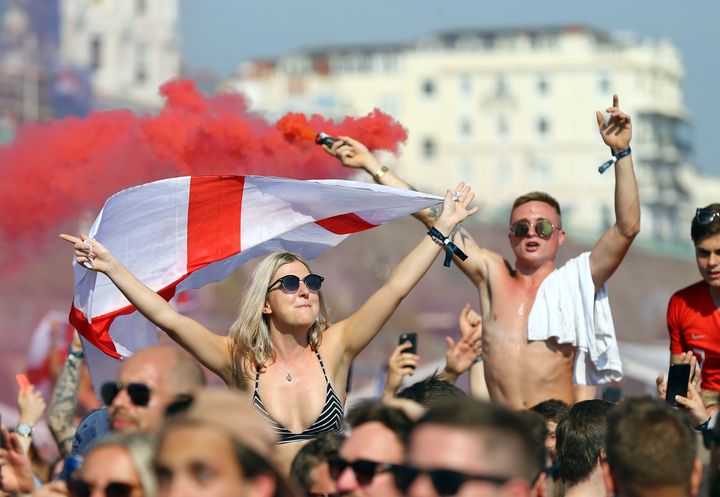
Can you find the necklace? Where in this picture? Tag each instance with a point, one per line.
(289, 376)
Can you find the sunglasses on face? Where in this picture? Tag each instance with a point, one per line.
(543, 228)
(291, 283)
(364, 470)
(139, 393)
(706, 216)
(319, 494)
(81, 488)
(445, 481)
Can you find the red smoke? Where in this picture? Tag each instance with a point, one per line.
(58, 171)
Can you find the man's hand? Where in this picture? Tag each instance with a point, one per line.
(461, 356)
(14, 460)
(31, 405)
(400, 364)
(90, 253)
(617, 132)
(352, 153)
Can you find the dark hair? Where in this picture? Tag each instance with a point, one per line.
(580, 439)
(537, 197)
(316, 452)
(538, 430)
(430, 390)
(649, 445)
(393, 419)
(500, 429)
(699, 232)
(552, 410)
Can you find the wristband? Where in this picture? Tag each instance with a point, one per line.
(703, 426)
(77, 354)
(450, 247)
(478, 359)
(616, 157)
(380, 173)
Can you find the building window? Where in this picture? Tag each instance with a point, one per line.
(502, 127)
(96, 52)
(140, 7)
(543, 127)
(466, 127)
(543, 85)
(465, 84)
(604, 84)
(541, 170)
(428, 87)
(141, 63)
(429, 148)
(501, 86)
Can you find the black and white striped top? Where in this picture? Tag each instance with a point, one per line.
(330, 419)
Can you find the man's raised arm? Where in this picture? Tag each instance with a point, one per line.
(608, 252)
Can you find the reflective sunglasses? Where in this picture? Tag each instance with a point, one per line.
(543, 228)
(706, 216)
(139, 393)
(81, 488)
(363, 469)
(291, 283)
(445, 481)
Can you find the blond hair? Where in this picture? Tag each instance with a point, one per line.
(251, 346)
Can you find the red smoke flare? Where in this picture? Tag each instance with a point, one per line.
(59, 171)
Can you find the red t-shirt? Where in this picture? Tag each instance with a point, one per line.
(693, 322)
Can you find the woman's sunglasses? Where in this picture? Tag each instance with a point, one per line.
(139, 393)
(706, 216)
(291, 283)
(543, 228)
(81, 488)
(364, 470)
(445, 481)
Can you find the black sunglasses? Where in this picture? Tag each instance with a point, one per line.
(543, 228)
(139, 393)
(322, 494)
(81, 488)
(364, 470)
(445, 481)
(291, 283)
(706, 216)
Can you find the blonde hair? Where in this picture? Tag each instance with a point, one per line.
(140, 448)
(250, 344)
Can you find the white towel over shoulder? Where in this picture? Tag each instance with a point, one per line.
(566, 307)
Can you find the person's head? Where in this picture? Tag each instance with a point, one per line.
(430, 391)
(277, 295)
(310, 466)
(147, 383)
(553, 411)
(468, 447)
(544, 483)
(535, 229)
(651, 448)
(378, 439)
(581, 440)
(118, 465)
(219, 447)
(705, 234)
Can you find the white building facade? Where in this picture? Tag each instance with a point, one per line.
(132, 47)
(510, 111)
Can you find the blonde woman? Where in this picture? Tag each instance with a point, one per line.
(282, 351)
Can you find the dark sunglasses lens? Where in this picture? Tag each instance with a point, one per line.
(313, 282)
(291, 283)
(521, 228)
(544, 228)
(139, 394)
(404, 477)
(108, 392)
(116, 489)
(446, 482)
(78, 488)
(364, 471)
(705, 216)
(336, 467)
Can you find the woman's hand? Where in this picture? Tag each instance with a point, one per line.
(400, 364)
(31, 405)
(455, 208)
(90, 253)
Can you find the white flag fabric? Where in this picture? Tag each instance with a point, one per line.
(186, 232)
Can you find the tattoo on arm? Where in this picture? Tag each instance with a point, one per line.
(433, 213)
(462, 233)
(63, 404)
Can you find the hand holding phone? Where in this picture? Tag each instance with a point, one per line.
(409, 337)
(677, 384)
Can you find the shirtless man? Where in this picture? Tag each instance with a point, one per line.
(521, 373)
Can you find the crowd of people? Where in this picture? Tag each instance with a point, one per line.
(529, 424)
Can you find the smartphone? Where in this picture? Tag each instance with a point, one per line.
(678, 379)
(409, 337)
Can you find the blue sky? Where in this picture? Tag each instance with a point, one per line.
(219, 34)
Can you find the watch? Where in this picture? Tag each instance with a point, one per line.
(25, 430)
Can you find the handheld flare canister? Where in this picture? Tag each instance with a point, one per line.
(325, 139)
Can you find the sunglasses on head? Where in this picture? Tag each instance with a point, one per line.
(363, 469)
(291, 283)
(706, 216)
(81, 488)
(543, 228)
(445, 481)
(139, 393)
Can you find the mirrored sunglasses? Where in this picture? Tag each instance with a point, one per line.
(706, 216)
(139, 393)
(363, 469)
(543, 228)
(445, 481)
(291, 283)
(81, 488)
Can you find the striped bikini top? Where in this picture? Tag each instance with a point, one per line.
(330, 419)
